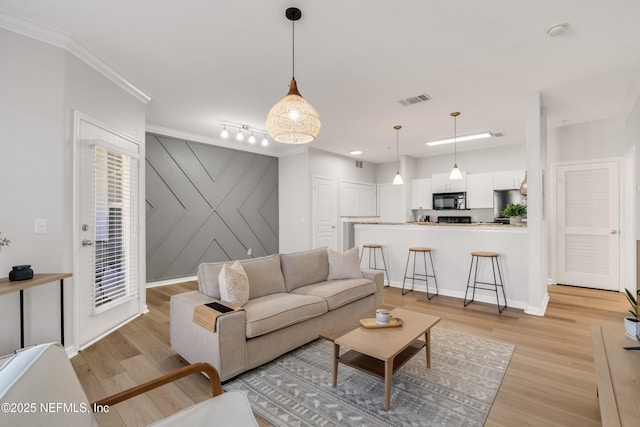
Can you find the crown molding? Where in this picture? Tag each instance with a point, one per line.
(219, 142)
(30, 29)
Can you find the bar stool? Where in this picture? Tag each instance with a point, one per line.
(373, 247)
(492, 286)
(417, 276)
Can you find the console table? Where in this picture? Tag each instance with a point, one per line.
(618, 375)
(7, 287)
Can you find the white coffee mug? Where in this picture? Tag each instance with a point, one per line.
(382, 316)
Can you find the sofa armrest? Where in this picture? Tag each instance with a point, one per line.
(377, 277)
(225, 349)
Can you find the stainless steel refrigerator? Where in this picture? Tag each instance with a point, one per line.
(501, 198)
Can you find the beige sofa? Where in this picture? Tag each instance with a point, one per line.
(290, 303)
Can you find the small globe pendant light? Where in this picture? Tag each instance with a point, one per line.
(293, 120)
(455, 172)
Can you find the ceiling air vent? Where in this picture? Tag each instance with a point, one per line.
(359, 164)
(414, 99)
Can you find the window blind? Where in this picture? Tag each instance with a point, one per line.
(116, 204)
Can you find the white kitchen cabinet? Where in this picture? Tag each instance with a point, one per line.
(480, 190)
(357, 199)
(507, 180)
(421, 193)
(440, 183)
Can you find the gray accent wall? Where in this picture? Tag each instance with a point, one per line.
(206, 203)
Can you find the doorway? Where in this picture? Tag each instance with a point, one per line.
(325, 212)
(588, 225)
(106, 229)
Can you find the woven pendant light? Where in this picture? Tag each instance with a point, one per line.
(293, 120)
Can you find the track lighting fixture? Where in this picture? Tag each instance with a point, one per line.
(242, 129)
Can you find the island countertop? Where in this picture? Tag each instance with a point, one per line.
(491, 225)
(451, 246)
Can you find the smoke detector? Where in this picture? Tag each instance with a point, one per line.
(557, 29)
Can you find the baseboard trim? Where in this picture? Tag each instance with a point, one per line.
(489, 299)
(538, 311)
(171, 281)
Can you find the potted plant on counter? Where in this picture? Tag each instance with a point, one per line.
(632, 324)
(515, 212)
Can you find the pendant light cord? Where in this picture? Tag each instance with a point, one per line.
(455, 140)
(293, 49)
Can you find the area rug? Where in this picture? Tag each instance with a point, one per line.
(458, 390)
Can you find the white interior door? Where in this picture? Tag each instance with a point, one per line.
(107, 241)
(324, 213)
(588, 235)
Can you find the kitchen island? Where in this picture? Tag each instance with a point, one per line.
(451, 246)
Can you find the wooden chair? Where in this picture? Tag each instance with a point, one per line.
(42, 376)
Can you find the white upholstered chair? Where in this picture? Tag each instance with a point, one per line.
(36, 378)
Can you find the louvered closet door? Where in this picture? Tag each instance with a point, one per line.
(588, 221)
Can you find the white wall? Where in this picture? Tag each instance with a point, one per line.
(587, 141)
(537, 227)
(295, 192)
(32, 174)
(385, 172)
(505, 158)
(632, 138)
(322, 163)
(340, 167)
(294, 203)
(40, 86)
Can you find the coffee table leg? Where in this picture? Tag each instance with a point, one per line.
(336, 355)
(388, 380)
(427, 340)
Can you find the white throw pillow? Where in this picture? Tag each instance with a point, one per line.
(344, 265)
(234, 284)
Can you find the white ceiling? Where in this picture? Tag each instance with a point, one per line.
(207, 62)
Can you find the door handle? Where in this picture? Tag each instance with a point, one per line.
(614, 231)
(87, 242)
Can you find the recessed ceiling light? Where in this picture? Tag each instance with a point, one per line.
(557, 29)
(355, 152)
(480, 135)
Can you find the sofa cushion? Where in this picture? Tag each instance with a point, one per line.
(234, 284)
(264, 274)
(339, 292)
(208, 278)
(344, 265)
(304, 268)
(277, 311)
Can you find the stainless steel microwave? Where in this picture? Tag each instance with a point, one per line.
(443, 201)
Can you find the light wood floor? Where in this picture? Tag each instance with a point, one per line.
(550, 381)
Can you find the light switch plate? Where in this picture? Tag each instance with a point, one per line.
(40, 226)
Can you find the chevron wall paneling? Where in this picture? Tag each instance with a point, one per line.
(206, 204)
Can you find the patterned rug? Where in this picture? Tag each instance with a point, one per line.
(458, 390)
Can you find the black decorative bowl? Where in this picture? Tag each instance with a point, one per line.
(21, 272)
